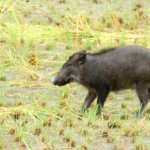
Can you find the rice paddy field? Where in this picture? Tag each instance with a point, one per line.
(36, 38)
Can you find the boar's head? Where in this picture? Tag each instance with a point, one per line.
(71, 70)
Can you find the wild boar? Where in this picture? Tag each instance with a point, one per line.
(113, 69)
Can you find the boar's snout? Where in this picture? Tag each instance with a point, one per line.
(58, 81)
(53, 80)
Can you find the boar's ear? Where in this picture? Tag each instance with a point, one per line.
(81, 57)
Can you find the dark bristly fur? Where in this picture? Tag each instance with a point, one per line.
(103, 51)
(112, 69)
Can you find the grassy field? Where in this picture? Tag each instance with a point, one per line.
(36, 38)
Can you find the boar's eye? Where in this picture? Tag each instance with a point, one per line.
(80, 62)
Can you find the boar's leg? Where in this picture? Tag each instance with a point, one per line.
(142, 93)
(102, 95)
(149, 93)
(88, 100)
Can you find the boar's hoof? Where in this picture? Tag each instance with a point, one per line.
(98, 113)
(83, 110)
(138, 115)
